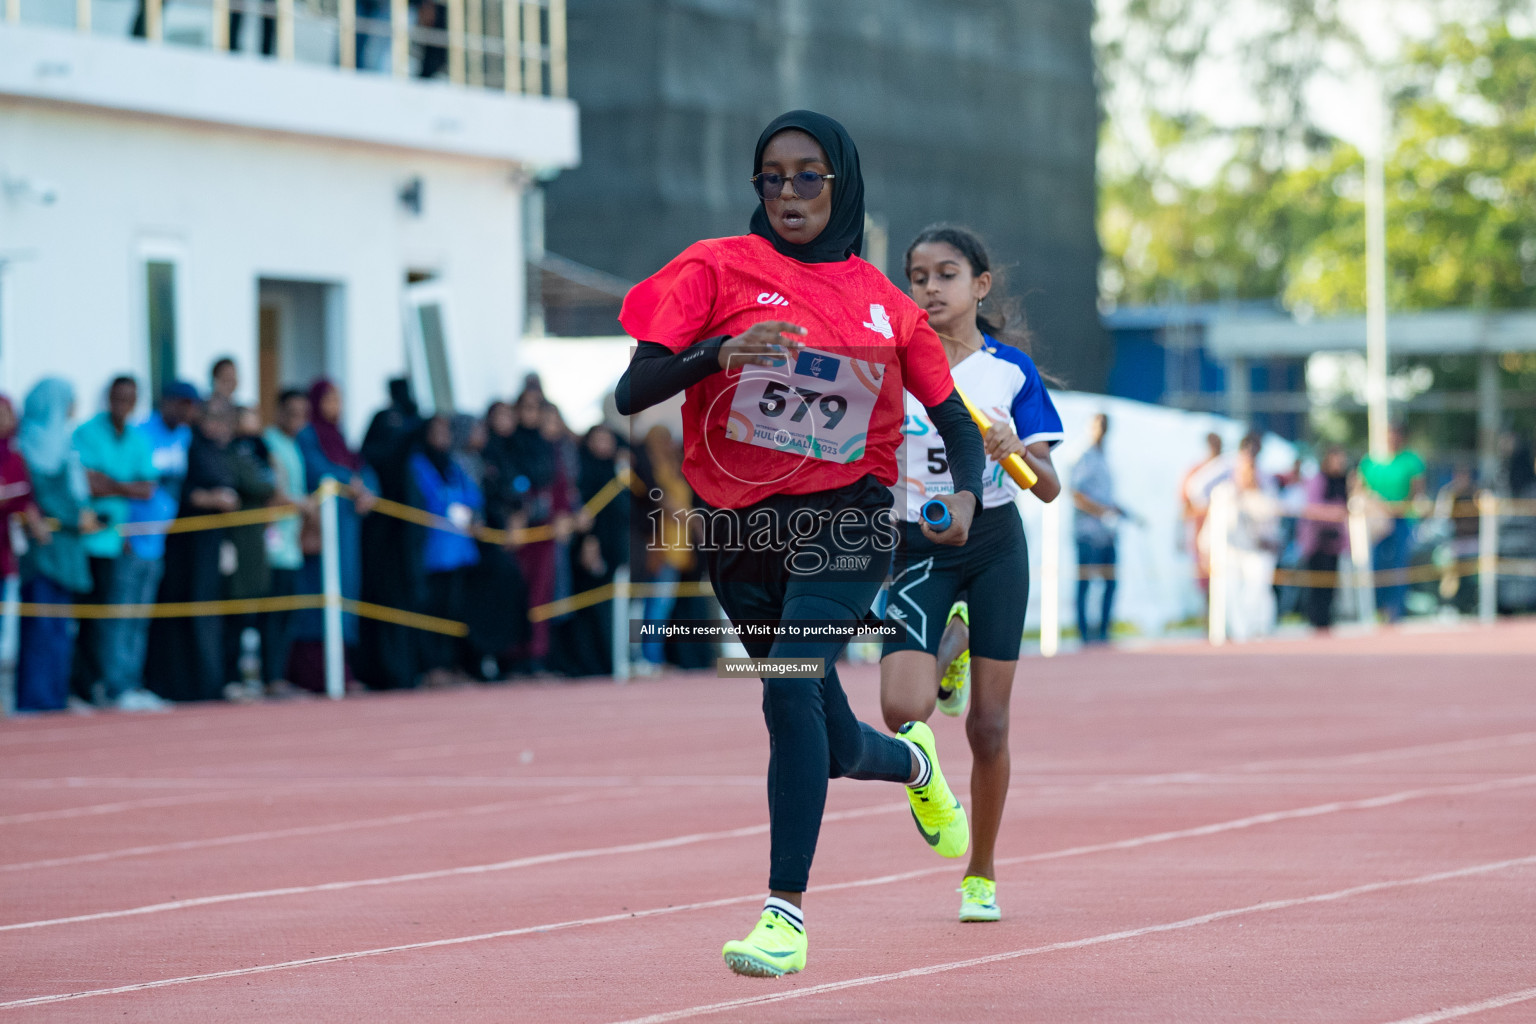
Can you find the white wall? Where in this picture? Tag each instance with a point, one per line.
(1149, 449)
(238, 205)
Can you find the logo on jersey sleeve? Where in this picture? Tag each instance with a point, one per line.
(816, 364)
(879, 321)
(771, 299)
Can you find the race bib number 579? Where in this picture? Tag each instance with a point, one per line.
(820, 407)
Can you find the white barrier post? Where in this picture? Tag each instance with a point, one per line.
(1218, 521)
(1487, 557)
(621, 624)
(1050, 577)
(330, 586)
(1360, 558)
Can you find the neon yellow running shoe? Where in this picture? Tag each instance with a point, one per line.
(979, 902)
(935, 809)
(955, 687)
(774, 948)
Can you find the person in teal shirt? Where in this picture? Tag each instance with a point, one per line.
(1399, 478)
(120, 469)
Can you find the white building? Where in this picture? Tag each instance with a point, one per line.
(164, 202)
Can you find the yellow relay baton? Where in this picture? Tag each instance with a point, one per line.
(1012, 465)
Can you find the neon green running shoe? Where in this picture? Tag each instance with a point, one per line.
(774, 948)
(955, 687)
(938, 813)
(979, 902)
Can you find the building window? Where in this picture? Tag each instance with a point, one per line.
(426, 336)
(160, 322)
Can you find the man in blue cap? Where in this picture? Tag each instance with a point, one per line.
(170, 436)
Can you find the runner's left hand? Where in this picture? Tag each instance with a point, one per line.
(962, 509)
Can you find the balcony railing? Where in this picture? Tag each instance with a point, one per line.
(513, 45)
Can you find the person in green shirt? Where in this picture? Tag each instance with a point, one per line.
(1399, 478)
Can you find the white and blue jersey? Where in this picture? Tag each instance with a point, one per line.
(1001, 381)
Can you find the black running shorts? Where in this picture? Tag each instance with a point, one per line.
(991, 570)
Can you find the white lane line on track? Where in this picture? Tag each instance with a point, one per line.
(1189, 922)
(1467, 1009)
(113, 808)
(1162, 778)
(1199, 831)
(1271, 817)
(396, 781)
(1515, 739)
(420, 876)
(299, 830)
(1097, 940)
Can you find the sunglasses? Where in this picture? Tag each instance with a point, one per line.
(806, 184)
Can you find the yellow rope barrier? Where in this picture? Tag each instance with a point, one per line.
(606, 592)
(586, 599)
(523, 535)
(400, 617)
(172, 610)
(211, 521)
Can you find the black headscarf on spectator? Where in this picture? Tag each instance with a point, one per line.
(844, 234)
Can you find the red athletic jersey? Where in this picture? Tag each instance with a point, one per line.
(724, 286)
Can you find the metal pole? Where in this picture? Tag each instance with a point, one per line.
(511, 47)
(330, 586)
(1050, 575)
(1360, 558)
(285, 30)
(456, 41)
(557, 72)
(621, 624)
(399, 39)
(533, 57)
(1490, 413)
(1487, 557)
(220, 36)
(1376, 287)
(474, 18)
(346, 33)
(1218, 520)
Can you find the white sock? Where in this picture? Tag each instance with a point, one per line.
(787, 910)
(924, 770)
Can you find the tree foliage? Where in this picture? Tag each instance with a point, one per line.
(1283, 219)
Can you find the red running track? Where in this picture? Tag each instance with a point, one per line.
(1325, 830)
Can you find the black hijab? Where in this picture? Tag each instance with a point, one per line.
(844, 234)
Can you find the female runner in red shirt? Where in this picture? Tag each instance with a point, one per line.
(793, 354)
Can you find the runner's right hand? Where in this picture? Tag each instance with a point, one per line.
(761, 344)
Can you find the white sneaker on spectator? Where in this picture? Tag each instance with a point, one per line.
(142, 700)
(76, 706)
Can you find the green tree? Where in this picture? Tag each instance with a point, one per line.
(1283, 219)
(1461, 187)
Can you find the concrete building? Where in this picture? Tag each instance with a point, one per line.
(164, 202)
(982, 112)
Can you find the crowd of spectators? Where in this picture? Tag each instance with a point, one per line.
(88, 503)
(1299, 520)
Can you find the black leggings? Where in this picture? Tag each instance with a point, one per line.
(813, 735)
